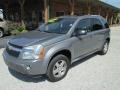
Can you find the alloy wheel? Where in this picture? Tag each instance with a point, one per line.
(59, 68)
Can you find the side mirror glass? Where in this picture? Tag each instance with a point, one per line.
(80, 32)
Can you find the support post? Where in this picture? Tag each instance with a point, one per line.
(116, 19)
(99, 10)
(107, 16)
(72, 5)
(46, 8)
(89, 9)
(111, 20)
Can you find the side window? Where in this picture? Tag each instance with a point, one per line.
(96, 24)
(105, 22)
(84, 25)
(1, 20)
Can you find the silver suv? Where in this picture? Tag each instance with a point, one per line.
(3, 27)
(56, 45)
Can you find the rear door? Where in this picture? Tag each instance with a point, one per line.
(98, 33)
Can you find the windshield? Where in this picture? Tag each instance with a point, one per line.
(57, 25)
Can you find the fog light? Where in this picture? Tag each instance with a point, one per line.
(28, 67)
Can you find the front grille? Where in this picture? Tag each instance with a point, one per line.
(13, 52)
(16, 46)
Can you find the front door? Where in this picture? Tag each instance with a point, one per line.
(82, 44)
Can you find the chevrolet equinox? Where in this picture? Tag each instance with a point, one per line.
(55, 45)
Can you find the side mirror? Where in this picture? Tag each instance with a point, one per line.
(80, 32)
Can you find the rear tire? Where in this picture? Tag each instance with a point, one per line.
(1, 33)
(104, 48)
(58, 68)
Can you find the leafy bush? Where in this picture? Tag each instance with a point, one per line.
(16, 28)
(20, 28)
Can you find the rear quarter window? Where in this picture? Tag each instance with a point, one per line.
(105, 22)
(96, 24)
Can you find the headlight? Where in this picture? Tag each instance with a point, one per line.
(33, 52)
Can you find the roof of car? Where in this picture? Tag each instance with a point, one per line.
(85, 16)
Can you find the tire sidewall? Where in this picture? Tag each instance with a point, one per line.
(51, 66)
(102, 51)
(2, 33)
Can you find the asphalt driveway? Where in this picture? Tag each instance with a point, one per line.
(92, 73)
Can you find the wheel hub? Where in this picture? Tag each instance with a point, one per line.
(59, 68)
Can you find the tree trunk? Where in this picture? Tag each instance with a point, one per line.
(22, 2)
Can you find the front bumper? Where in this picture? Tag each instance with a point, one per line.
(29, 67)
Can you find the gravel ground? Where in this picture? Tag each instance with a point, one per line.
(93, 73)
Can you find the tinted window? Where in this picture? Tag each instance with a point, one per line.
(1, 20)
(105, 22)
(58, 25)
(84, 25)
(96, 24)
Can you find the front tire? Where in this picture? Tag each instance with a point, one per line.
(104, 48)
(58, 68)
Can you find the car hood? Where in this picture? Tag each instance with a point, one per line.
(33, 37)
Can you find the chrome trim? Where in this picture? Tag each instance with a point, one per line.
(13, 48)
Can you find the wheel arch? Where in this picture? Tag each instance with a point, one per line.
(64, 51)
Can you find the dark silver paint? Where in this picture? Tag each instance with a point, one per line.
(79, 46)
